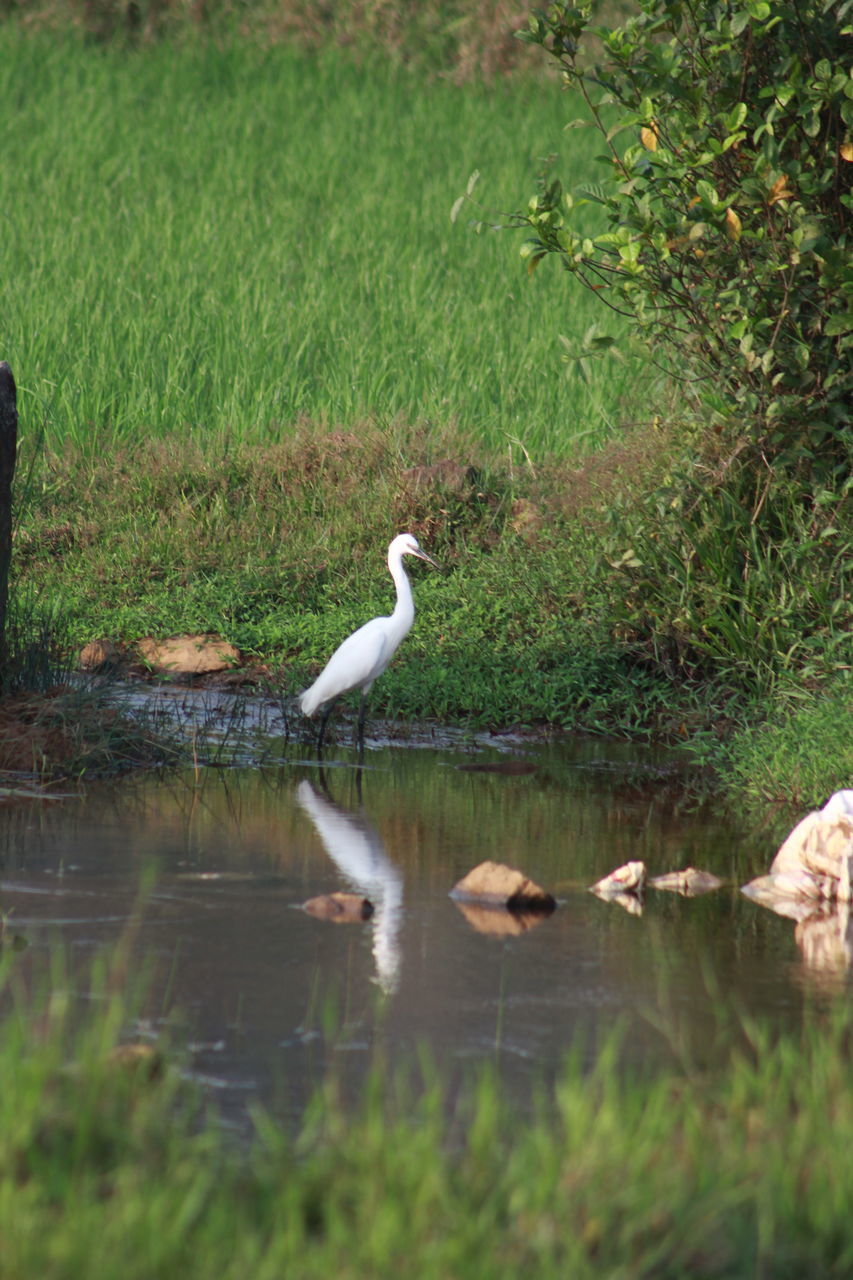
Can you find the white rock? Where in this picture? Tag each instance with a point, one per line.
(629, 878)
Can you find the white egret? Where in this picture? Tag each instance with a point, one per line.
(364, 655)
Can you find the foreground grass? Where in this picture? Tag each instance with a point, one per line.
(220, 240)
(110, 1169)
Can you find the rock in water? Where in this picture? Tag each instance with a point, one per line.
(496, 885)
(689, 882)
(340, 908)
(629, 878)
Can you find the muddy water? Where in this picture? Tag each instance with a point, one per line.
(271, 997)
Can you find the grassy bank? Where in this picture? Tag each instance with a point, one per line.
(106, 1169)
(282, 552)
(530, 621)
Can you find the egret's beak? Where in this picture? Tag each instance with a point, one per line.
(422, 555)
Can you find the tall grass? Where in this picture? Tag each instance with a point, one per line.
(223, 240)
(106, 1170)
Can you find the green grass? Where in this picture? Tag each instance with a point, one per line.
(110, 1170)
(225, 240)
(800, 754)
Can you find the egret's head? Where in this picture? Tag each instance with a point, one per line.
(406, 544)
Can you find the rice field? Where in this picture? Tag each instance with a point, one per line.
(226, 241)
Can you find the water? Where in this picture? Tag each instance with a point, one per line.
(271, 997)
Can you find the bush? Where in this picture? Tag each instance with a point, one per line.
(725, 195)
(730, 579)
(727, 130)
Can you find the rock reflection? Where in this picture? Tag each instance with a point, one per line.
(356, 848)
(826, 940)
(630, 902)
(810, 881)
(824, 932)
(500, 922)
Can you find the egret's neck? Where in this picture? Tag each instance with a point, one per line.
(404, 610)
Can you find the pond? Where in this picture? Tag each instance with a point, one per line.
(271, 997)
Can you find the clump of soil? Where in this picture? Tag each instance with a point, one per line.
(35, 736)
(61, 731)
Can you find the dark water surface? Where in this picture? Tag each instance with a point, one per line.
(272, 996)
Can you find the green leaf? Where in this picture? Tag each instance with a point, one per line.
(736, 117)
(707, 194)
(838, 325)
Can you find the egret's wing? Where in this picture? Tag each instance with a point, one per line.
(354, 664)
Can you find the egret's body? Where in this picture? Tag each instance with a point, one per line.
(363, 656)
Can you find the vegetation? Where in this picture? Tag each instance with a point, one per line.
(106, 1169)
(458, 38)
(726, 194)
(729, 140)
(784, 758)
(251, 346)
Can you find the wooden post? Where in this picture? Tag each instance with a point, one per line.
(8, 451)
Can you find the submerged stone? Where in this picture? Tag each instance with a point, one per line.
(144, 1059)
(689, 883)
(340, 908)
(629, 878)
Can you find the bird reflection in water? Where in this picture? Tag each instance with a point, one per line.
(356, 848)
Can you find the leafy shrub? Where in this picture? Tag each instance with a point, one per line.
(727, 130)
(735, 580)
(725, 196)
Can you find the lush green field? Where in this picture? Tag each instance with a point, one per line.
(225, 240)
(106, 1171)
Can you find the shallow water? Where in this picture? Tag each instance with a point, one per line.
(271, 997)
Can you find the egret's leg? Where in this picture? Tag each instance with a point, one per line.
(323, 722)
(362, 712)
